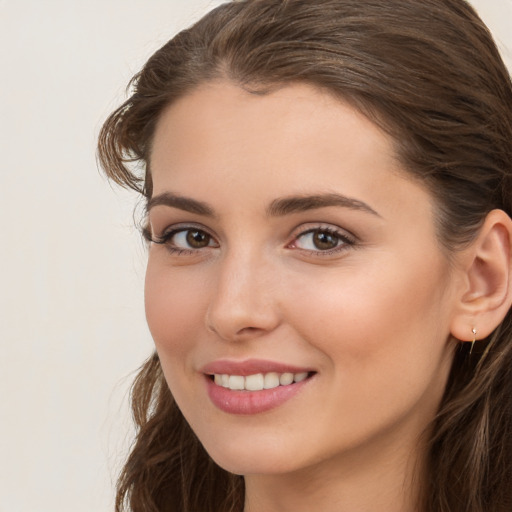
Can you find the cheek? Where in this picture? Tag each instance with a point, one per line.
(385, 341)
(366, 318)
(174, 309)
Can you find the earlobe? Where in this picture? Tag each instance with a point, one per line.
(487, 293)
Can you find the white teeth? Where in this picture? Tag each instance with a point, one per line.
(271, 380)
(258, 381)
(298, 377)
(236, 382)
(286, 379)
(254, 382)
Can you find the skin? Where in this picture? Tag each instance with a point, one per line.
(372, 318)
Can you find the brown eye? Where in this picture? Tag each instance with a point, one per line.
(186, 239)
(323, 240)
(197, 239)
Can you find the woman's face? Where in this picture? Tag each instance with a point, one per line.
(293, 248)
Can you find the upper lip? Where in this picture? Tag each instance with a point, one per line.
(250, 367)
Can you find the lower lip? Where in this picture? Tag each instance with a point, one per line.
(252, 402)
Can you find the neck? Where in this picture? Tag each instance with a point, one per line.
(386, 478)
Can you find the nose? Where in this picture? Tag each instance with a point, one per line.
(244, 301)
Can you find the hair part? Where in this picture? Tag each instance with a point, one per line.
(429, 74)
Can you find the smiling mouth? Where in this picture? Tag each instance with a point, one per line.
(258, 381)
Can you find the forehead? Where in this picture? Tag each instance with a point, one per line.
(202, 122)
(221, 140)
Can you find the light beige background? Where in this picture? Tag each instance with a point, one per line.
(72, 326)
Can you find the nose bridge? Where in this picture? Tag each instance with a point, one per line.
(242, 302)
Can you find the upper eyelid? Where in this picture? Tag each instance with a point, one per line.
(298, 231)
(312, 227)
(170, 232)
(181, 226)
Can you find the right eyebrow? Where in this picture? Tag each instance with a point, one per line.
(279, 207)
(180, 202)
(294, 204)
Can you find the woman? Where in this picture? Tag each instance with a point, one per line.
(328, 191)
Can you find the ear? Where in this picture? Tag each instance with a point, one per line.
(486, 292)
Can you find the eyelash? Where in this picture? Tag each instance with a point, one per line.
(345, 240)
(168, 235)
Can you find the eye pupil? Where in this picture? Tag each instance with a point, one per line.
(324, 240)
(197, 239)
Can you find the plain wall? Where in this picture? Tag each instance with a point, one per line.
(72, 326)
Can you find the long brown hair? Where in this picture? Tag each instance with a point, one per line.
(429, 74)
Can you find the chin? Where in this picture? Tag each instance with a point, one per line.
(263, 465)
(246, 456)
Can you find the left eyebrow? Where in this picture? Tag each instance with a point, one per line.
(296, 204)
(277, 208)
(181, 203)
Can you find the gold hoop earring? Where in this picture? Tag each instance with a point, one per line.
(473, 330)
